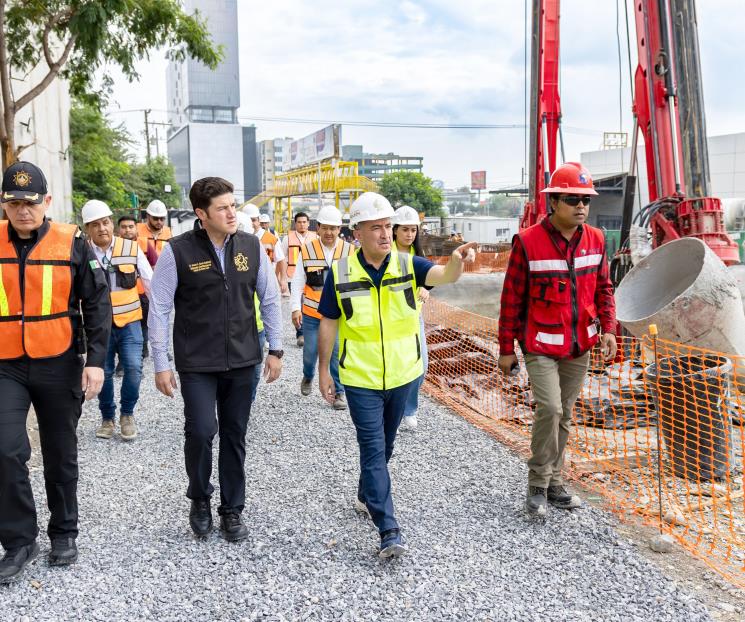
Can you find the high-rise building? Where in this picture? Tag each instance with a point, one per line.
(205, 138)
(376, 165)
(271, 154)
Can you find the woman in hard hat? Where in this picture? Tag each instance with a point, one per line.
(406, 235)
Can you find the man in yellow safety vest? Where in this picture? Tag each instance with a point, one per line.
(369, 299)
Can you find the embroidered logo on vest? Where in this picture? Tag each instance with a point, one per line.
(241, 262)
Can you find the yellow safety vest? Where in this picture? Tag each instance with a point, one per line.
(259, 321)
(379, 327)
(125, 303)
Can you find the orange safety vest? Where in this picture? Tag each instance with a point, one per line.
(316, 269)
(37, 321)
(125, 303)
(293, 249)
(145, 236)
(268, 240)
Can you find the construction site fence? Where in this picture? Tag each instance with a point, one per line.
(660, 437)
(485, 263)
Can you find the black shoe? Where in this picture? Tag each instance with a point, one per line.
(200, 517)
(560, 497)
(535, 502)
(15, 560)
(232, 527)
(64, 552)
(145, 350)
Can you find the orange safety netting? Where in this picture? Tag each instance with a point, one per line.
(484, 263)
(614, 444)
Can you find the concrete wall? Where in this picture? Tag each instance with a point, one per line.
(45, 125)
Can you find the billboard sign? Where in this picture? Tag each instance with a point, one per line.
(321, 145)
(478, 180)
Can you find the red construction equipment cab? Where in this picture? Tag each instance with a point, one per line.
(668, 111)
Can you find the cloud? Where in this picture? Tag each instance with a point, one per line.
(439, 61)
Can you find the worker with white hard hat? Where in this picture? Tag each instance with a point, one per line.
(557, 299)
(291, 245)
(123, 262)
(314, 263)
(369, 300)
(406, 230)
(152, 235)
(269, 242)
(53, 290)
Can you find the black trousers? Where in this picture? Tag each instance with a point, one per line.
(231, 392)
(53, 386)
(145, 305)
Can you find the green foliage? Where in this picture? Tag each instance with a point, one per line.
(148, 182)
(102, 168)
(413, 189)
(99, 159)
(101, 33)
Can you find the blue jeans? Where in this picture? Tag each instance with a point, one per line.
(412, 404)
(259, 367)
(376, 416)
(310, 352)
(127, 343)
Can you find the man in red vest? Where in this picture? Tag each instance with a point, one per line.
(557, 302)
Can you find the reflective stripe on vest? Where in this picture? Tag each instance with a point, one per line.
(145, 236)
(314, 262)
(294, 248)
(378, 328)
(268, 240)
(37, 324)
(562, 319)
(125, 303)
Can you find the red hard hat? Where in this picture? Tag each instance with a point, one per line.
(571, 178)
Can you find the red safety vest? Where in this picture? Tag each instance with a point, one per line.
(561, 293)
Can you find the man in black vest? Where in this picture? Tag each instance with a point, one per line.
(209, 276)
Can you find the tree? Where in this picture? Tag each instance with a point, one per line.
(99, 158)
(413, 189)
(74, 38)
(149, 180)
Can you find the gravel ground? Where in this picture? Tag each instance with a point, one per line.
(474, 555)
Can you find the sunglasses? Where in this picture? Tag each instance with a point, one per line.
(573, 200)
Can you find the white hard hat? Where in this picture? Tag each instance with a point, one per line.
(406, 215)
(251, 211)
(329, 215)
(369, 206)
(264, 218)
(157, 208)
(244, 222)
(93, 210)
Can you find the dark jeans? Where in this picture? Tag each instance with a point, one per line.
(53, 387)
(228, 391)
(377, 415)
(127, 342)
(310, 352)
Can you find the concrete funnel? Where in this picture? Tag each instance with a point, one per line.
(686, 290)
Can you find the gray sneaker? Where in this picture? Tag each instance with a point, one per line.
(340, 402)
(535, 502)
(128, 429)
(306, 386)
(361, 507)
(106, 429)
(561, 498)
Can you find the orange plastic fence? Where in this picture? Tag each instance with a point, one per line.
(697, 395)
(485, 263)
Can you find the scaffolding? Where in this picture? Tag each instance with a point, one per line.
(342, 179)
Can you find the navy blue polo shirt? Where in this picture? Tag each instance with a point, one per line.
(329, 306)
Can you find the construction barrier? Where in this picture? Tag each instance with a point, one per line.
(690, 466)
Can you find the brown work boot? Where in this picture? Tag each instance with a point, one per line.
(128, 429)
(106, 429)
(306, 386)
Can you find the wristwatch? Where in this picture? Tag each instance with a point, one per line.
(278, 353)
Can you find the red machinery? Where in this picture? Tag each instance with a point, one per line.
(669, 112)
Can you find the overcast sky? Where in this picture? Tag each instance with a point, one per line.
(440, 61)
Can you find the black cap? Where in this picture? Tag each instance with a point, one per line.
(24, 181)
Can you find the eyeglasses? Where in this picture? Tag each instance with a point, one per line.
(573, 200)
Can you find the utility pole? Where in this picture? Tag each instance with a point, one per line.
(157, 144)
(147, 134)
